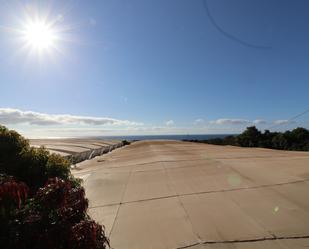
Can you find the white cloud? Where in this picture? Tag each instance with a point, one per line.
(36, 124)
(259, 121)
(198, 121)
(283, 121)
(169, 123)
(228, 121)
(16, 116)
(231, 121)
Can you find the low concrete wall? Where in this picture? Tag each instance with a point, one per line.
(86, 155)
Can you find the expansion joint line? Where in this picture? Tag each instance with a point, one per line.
(159, 161)
(122, 196)
(201, 192)
(246, 240)
(183, 207)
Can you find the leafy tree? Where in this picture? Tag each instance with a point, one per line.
(250, 137)
(297, 139)
(280, 142)
(229, 140)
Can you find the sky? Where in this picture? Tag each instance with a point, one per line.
(119, 67)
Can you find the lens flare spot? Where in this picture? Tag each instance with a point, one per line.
(276, 210)
(234, 180)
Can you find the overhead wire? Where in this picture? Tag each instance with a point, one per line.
(290, 119)
(227, 34)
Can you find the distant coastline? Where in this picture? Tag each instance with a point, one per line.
(165, 137)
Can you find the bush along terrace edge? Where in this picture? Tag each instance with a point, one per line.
(42, 205)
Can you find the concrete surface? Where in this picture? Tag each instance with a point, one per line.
(75, 149)
(170, 194)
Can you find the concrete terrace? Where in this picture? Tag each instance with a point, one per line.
(170, 194)
(77, 149)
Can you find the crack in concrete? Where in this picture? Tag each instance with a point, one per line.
(122, 196)
(201, 192)
(159, 161)
(97, 167)
(246, 240)
(184, 209)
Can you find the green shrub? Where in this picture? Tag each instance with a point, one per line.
(30, 165)
(42, 205)
(57, 166)
(125, 142)
(11, 144)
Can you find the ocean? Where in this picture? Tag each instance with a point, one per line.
(165, 137)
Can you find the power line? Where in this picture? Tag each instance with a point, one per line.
(290, 119)
(228, 35)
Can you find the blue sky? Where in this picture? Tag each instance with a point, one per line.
(155, 67)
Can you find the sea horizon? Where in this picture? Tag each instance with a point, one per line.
(145, 137)
(164, 137)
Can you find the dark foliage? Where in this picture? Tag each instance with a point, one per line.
(88, 234)
(56, 218)
(249, 138)
(297, 139)
(12, 195)
(41, 204)
(125, 142)
(30, 165)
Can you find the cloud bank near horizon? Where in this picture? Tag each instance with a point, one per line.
(16, 116)
(37, 124)
(238, 121)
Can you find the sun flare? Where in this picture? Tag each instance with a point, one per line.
(39, 35)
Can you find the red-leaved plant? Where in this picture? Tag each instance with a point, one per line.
(56, 218)
(12, 192)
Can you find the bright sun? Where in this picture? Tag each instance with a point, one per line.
(39, 35)
(41, 32)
